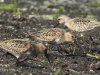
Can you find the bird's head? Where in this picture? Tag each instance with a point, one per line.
(63, 19)
(70, 37)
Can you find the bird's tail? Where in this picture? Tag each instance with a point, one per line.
(98, 24)
(30, 35)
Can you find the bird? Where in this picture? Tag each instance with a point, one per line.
(81, 26)
(55, 36)
(22, 48)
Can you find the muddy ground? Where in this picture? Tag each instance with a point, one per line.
(37, 15)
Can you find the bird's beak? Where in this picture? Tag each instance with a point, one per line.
(30, 36)
(46, 55)
(57, 23)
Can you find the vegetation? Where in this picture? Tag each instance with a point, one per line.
(11, 6)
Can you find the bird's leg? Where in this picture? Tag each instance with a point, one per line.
(20, 61)
(75, 45)
(59, 48)
(6, 56)
(91, 42)
(17, 62)
(74, 50)
(83, 39)
(64, 50)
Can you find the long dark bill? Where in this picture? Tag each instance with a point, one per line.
(46, 55)
(56, 24)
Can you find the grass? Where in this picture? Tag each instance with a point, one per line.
(95, 4)
(5, 6)
(11, 6)
(58, 71)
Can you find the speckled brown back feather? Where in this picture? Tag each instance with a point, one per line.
(78, 24)
(49, 34)
(84, 24)
(15, 45)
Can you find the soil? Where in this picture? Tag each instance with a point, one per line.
(84, 61)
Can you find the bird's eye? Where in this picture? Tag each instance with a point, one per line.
(58, 19)
(73, 37)
(6, 42)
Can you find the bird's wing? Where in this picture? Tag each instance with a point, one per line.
(16, 46)
(84, 24)
(47, 34)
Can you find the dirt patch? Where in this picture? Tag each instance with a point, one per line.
(84, 60)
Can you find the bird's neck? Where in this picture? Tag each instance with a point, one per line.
(69, 24)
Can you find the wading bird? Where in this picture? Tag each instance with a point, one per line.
(83, 26)
(21, 48)
(54, 36)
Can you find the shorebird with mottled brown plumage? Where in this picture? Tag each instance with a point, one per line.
(81, 25)
(55, 36)
(21, 48)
